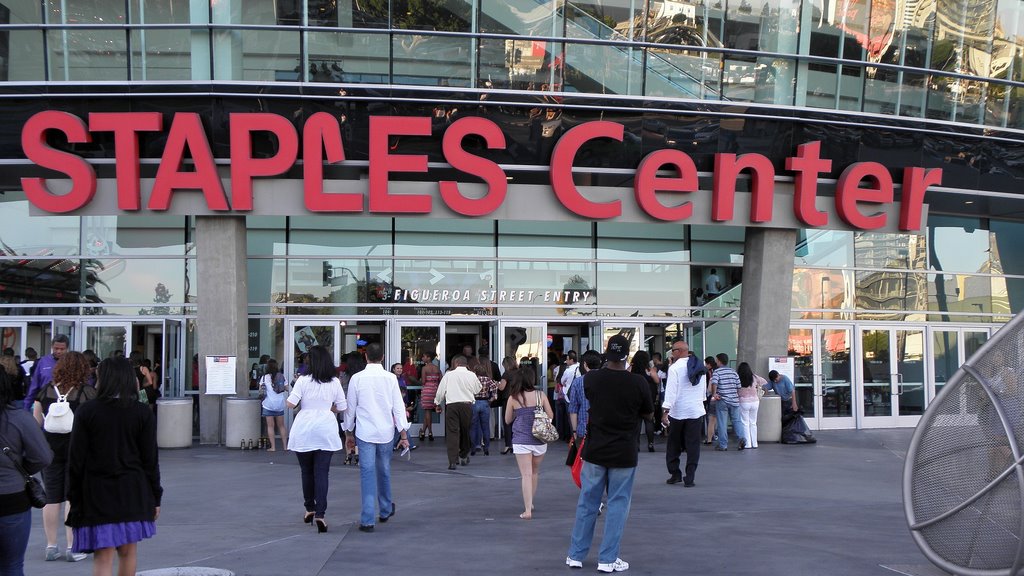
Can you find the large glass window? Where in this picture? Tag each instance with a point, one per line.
(27, 235)
(443, 237)
(958, 244)
(133, 281)
(340, 236)
(571, 240)
(265, 235)
(642, 285)
(628, 241)
(133, 235)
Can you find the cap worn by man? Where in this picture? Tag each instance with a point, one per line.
(617, 349)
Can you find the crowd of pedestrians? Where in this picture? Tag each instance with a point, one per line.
(102, 478)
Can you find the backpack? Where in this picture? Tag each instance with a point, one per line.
(59, 418)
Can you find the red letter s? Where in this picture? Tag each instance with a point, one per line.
(81, 173)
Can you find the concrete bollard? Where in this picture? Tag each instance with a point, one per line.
(769, 418)
(174, 423)
(241, 421)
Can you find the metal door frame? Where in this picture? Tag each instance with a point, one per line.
(894, 419)
(83, 334)
(819, 421)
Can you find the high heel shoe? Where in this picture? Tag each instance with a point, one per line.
(321, 525)
(431, 436)
(422, 435)
(308, 518)
(505, 450)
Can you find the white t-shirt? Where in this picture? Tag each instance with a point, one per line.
(682, 399)
(375, 406)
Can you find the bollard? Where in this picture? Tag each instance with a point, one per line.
(174, 426)
(241, 421)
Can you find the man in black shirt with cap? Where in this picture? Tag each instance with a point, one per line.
(618, 401)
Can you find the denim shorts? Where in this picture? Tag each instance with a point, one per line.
(269, 413)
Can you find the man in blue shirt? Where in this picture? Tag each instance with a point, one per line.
(783, 386)
(43, 372)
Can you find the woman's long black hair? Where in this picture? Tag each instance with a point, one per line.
(746, 375)
(321, 364)
(115, 380)
(7, 391)
(640, 362)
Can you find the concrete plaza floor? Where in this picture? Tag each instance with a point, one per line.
(833, 509)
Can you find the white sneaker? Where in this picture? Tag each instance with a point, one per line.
(573, 563)
(75, 556)
(619, 565)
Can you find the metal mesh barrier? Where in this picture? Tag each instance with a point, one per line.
(963, 484)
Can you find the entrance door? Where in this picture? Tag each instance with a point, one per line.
(893, 376)
(634, 332)
(823, 374)
(173, 359)
(950, 348)
(65, 327)
(413, 339)
(14, 335)
(106, 338)
(301, 335)
(526, 342)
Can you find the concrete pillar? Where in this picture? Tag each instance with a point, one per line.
(767, 296)
(222, 316)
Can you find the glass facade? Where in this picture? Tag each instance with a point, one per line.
(938, 59)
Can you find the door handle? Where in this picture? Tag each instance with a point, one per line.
(899, 384)
(817, 378)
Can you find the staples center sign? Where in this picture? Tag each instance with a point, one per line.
(864, 194)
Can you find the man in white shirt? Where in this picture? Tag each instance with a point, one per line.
(683, 415)
(375, 404)
(569, 373)
(456, 394)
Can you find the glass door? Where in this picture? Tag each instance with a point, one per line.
(633, 332)
(951, 347)
(527, 343)
(421, 342)
(893, 376)
(823, 383)
(14, 335)
(65, 327)
(107, 339)
(301, 335)
(173, 359)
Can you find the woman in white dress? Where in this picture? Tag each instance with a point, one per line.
(314, 437)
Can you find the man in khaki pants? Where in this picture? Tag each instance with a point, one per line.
(456, 394)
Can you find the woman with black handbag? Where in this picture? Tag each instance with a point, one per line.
(22, 441)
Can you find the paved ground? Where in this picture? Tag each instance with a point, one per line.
(829, 509)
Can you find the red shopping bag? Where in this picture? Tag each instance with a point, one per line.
(577, 465)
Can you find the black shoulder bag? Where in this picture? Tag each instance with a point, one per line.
(33, 487)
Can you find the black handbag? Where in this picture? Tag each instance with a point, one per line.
(33, 487)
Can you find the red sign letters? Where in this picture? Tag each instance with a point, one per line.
(860, 190)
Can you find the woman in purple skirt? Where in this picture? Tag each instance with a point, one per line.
(114, 477)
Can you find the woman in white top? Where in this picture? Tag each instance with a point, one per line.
(750, 400)
(314, 436)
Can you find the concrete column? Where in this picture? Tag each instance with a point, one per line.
(222, 316)
(767, 296)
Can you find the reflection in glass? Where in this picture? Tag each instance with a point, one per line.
(106, 341)
(319, 281)
(134, 235)
(641, 285)
(348, 57)
(530, 240)
(801, 348)
(339, 236)
(154, 282)
(443, 237)
(945, 356)
(836, 378)
(162, 55)
(910, 371)
(528, 346)
(444, 282)
(631, 333)
(83, 55)
(35, 236)
(877, 364)
(546, 285)
(424, 60)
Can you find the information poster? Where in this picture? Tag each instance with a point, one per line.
(220, 374)
(784, 365)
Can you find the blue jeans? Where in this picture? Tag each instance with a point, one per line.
(14, 531)
(594, 480)
(315, 467)
(374, 480)
(723, 411)
(480, 426)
